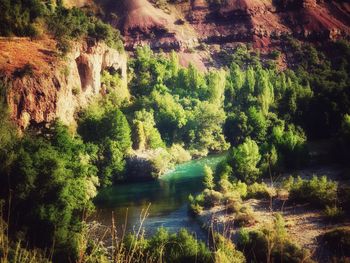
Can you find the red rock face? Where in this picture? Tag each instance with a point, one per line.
(254, 21)
(42, 88)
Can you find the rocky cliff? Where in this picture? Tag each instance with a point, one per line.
(43, 86)
(190, 25)
(185, 23)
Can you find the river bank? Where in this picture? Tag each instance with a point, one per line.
(305, 224)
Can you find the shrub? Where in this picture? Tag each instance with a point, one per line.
(291, 146)
(196, 203)
(208, 179)
(19, 17)
(211, 198)
(338, 241)
(26, 70)
(226, 252)
(179, 154)
(109, 132)
(233, 205)
(333, 213)
(319, 191)
(54, 182)
(178, 247)
(72, 24)
(245, 217)
(260, 191)
(271, 243)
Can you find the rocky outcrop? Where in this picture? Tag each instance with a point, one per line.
(41, 90)
(185, 24)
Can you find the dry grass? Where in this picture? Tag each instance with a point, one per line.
(18, 52)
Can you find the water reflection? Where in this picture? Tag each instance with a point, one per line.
(168, 198)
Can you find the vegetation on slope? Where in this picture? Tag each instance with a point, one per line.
(266, 116)
(34, 18)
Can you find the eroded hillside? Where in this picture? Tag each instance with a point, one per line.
(188, 25)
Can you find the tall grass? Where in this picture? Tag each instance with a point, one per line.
(16, 252)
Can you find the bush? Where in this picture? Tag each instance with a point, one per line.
(333, 213)
(260, 191)
(338, 241)
(226, 252)
(291, 146)
(244, 217)
(26, 70)
(233, 205)
(319, 191)
(179, 154)
(178, 247)
(72, 24)
(211, 198)
(196, 203)
(108, 133)
(256, 245)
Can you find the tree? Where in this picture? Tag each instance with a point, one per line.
(208, 179)
(51, 186)
(257, 124)
(146, 134)
(291, 145)
(244, 160)
(110, 133)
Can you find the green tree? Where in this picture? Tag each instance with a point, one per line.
(291, 145)
(146, 134)
(208, 179)
(51, 186)
(110, 132)
(244, 160)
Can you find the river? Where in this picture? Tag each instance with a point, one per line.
(167, 196)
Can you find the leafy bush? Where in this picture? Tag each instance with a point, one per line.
(72, 24)
(105, 32)
(211, 198)
(179, 154)
(146, 134)
(244, 217)
(291, 145)
(320, 191)
(208, 179)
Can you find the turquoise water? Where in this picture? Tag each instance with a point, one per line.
(167, 197)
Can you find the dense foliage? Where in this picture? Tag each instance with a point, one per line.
(50, 184)
(261, 115)
(108, 137)
(187, 104)
(31, 18)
